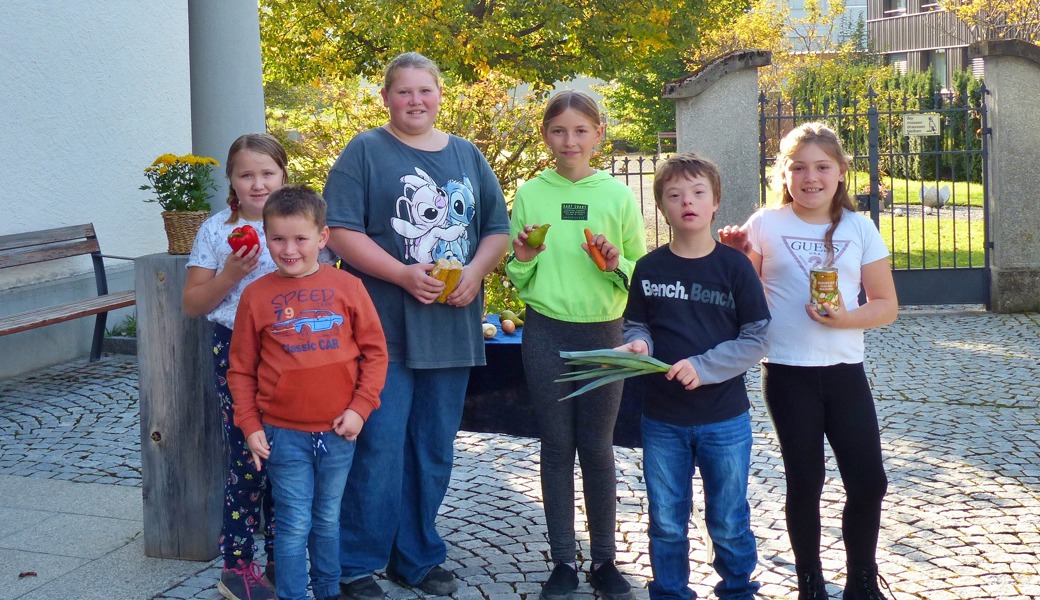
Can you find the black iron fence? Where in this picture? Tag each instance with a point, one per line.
(637, 172)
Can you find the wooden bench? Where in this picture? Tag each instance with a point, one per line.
(36, 247)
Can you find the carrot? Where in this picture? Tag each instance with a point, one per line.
(594, 253)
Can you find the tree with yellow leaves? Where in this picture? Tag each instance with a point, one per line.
(795, 43)
(536, 42)
(998, 19)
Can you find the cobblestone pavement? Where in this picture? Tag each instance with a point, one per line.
(958, 403)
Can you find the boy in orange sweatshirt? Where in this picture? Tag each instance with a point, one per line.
(308, 361)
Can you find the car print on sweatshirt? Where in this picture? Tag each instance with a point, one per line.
(308, 321)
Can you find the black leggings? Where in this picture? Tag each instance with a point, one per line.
(807, 403)
(582, 425)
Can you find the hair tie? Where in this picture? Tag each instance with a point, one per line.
(233, 202)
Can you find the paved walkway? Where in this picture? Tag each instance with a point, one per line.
(957, 397)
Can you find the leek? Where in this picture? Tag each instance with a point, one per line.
(607, 366)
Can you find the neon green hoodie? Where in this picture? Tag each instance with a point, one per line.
(562, 282)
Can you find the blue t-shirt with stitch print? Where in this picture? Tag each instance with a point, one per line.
(419, 206)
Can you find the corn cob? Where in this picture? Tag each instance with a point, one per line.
(448, 271)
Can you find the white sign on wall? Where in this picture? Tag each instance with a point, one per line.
(921, 124)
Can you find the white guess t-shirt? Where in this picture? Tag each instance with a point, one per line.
(790, 248)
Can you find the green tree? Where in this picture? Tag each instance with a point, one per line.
(536, 42)
(634, 105)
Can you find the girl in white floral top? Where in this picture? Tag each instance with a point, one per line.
(256, 167)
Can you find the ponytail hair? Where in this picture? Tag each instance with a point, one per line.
(579, 101)
(261, 143)
(827, 140)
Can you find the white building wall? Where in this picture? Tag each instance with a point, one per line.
(91, 93)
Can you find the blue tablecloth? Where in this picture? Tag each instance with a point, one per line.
(502, 337)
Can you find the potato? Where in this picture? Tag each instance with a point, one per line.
(509, 327)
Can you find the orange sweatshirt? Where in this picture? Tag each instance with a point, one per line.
(304, 350)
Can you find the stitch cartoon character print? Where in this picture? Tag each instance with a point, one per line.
(433, 219)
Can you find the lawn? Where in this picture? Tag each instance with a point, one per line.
(934, 241)
(908, 191)
(951, 237)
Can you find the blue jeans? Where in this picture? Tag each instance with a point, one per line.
(401, 473)
(308, 474)
(671, 455)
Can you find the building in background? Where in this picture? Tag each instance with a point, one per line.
(915, 35)
(845, 26)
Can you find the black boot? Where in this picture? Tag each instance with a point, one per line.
(862, 584)
(811, 585)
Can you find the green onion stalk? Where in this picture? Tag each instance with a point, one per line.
(607, 366)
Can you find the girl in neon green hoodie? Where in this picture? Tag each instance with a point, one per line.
(572, 304)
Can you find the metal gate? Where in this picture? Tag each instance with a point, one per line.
(637, 172)
(919, 169)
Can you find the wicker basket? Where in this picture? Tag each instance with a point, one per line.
(181, 227)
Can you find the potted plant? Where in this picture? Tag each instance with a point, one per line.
(863, 197)
(181, 185)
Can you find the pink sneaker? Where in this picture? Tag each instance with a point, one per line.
(244, 582)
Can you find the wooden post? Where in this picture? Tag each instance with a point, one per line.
(182, 450)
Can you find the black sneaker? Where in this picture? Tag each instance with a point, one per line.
(365, 588)
(244, 582)
(438, 582)
(269, 572)
(561, 583)
(610, 583)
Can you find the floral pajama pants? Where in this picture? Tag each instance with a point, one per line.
(247, 493)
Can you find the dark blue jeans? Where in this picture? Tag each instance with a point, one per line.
(671, 455)
(308, 474)
(402, 467)
(247, 493)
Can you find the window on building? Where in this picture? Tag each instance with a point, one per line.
(937, 61)
(898, 61)
(895, 7)
(977, 67)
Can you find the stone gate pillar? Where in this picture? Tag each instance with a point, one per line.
(1013, 80)
(716, 116)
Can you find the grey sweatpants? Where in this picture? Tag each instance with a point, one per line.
(582, 425)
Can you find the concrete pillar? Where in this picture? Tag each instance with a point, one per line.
(716, 115)
(1013, 80)
(227, 91)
